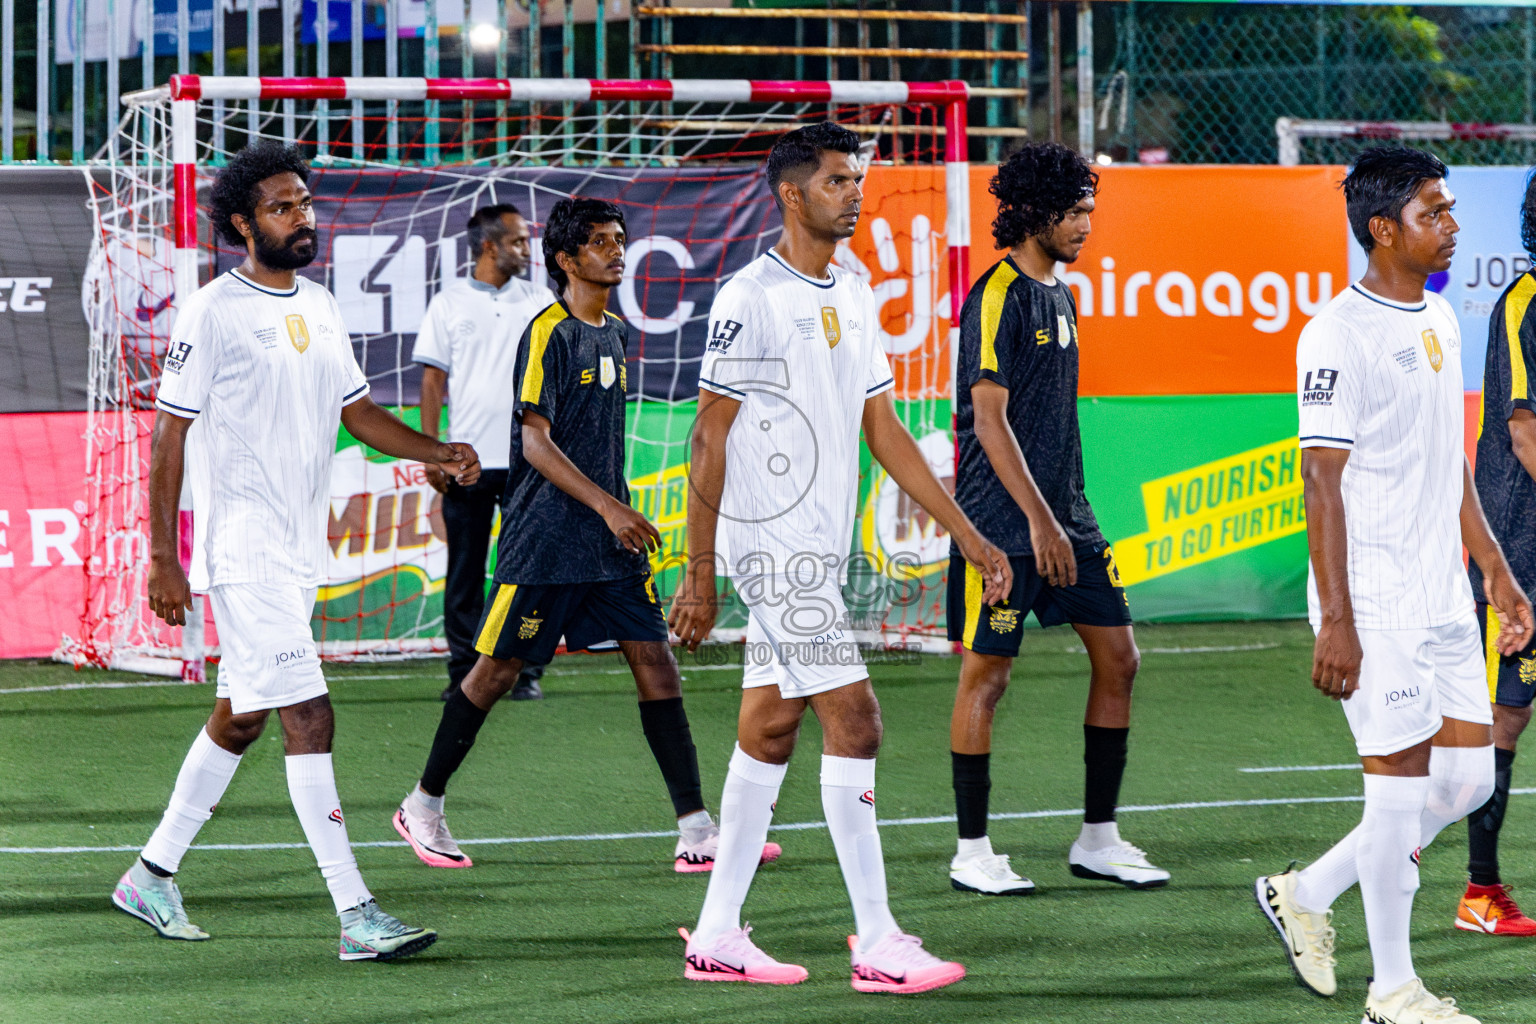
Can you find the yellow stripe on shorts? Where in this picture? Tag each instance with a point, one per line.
(501, 604)
(1491, 654)
(973, 592)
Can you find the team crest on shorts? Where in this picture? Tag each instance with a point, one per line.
(605, 371)
(650, 589)
(1005, 620)
(1432, 346)
(1528, 671)
(529, 629)
(298, 331)
(829, 326)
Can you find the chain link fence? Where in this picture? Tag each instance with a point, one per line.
(1205, 83)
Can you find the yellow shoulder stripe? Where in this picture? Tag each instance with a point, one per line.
(538, 340)
(992, 311)
(1515, 308)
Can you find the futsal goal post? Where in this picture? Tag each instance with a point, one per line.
(398, 166)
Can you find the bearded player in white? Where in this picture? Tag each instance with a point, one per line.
(1390, 503)
(793, 369)
(260, 359)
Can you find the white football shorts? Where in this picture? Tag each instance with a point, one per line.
(1410, 679)
(267, 654)
(798, 636)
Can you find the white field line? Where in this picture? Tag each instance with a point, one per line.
(1355, 767)
(135, 684)
(1222, 649)
(798, 826)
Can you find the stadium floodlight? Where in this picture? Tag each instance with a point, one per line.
(399, 164)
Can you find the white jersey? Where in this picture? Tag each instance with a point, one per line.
(801, 356)
(471, 332)
(1382, 380)
(266, 374)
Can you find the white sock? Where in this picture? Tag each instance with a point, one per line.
(312, 788)
(746, 808)
(1460, 781)
(427, 800)
(969, 848)
(1387, 852)
(696, 827)
(1325, 879)
(204, 775)
(848, 798)
(1098, 835)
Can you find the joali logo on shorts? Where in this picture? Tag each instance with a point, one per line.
(298, 331)
(1432, 346)
(1408, 695)
(829, 326)
(287, 658)
(1005, 620)
(530, 628)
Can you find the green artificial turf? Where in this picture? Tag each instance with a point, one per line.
(585, 930)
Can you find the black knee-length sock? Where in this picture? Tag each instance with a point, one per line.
(1104, 761)
(1484, 823)
(666, 729)
(973, 787)
(456, 733)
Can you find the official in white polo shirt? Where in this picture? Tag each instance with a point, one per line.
(469, 337)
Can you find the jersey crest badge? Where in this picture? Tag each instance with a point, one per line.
(298, 331)
(829, 326)
(1432, 346)
(605, 371)
(1065, 335)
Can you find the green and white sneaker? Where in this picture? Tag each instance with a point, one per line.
(367, 933)
(156, 901)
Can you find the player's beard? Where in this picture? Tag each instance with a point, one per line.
(285, 255)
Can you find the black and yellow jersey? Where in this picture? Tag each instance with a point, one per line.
(1504, 486)
(1022, 335)
(573, 375)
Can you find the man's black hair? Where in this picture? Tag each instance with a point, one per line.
(1035, 188)
(1383, 180)
(1528, 217)
(234, 190)
(569, 227)
(486, 225)
(802, 148)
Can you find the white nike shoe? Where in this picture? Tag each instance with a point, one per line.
(155, 901)
(734, 957)
(1121, 863)
(988, 874)
(427, 832)
(1412, 1003)
(1308, 937)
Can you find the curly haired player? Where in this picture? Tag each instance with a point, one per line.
(1020, 479)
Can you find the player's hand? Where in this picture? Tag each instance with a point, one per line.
(1054, 558)
(170, 596)
(459, 461)
(634, 531)
(695, 604)
(1336, 660)
(989, 560)
(1514, 610)
(438, 479)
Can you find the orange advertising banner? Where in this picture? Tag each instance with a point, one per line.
(1195, 280)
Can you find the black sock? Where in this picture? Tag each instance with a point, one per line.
(1484, 823)
(155, 869)
(666, 729)
(455, 735)
(1104, 758)
(973, 784)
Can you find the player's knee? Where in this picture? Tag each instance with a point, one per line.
(238, 732)
(1120, 668)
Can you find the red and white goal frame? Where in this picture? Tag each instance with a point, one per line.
(115, 630)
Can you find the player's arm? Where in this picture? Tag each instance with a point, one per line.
(695, 604)
(169, 593)
(1054, 557)
(893, 446)
(628, 525)
(1499, 585)
(434, 381)
(1336, 655)
(382, 430)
